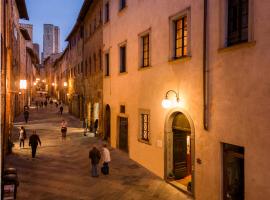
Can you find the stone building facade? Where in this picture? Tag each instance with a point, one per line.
(14, 40)
(184, 89)
(212, 142)
(85, 65)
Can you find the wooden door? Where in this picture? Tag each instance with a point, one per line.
(123, 133)
(233, 172)
(179, 154)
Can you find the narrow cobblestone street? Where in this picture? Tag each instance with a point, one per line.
(61, 169)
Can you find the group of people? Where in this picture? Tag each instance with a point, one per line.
(44, 103)
(34, 140)
(95, 157)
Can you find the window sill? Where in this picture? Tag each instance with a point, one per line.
(122, 73)
(141, 68)
(237, 46)
(178, 60)
(144, 141)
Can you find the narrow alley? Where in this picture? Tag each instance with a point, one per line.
(61, 169)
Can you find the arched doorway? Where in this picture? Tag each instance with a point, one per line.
(107, 123)
(179, 150)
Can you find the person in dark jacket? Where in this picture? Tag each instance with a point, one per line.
(95, 156)
(45, 103)
(26, 115)
(61, 110)
(33, 142)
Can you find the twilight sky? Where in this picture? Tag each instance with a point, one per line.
(62, 13)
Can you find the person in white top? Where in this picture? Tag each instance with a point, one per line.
(106, 159)
(22, 136)
(64, 128)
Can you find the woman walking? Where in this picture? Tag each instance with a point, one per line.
(22, 136)
(64, 129)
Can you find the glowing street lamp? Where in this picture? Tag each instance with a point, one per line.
(23, 84)
(37, 79)
(167, 103)
(65, 84)
(35, 83)
(53, 84)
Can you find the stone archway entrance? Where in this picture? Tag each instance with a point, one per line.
(107, 123)
(179, 150)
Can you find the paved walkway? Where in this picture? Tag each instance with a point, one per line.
(61, 169)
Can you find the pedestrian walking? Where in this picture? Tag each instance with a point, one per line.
(26, 107)
(84, 127)
(95, 156)
(95, 126)
(45, 104)
(51, 102)
(34, 140)
(64, 129)
(37, 105)
(61, 110)
(22, 136)
(26, 115)
(106, 159)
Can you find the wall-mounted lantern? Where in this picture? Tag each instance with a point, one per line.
(167, 103)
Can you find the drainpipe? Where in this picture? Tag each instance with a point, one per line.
(205, 71)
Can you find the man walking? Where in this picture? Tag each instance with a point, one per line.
(26, 115)
(94, 155)
(61, 110)
(33, 142)
(106, 159)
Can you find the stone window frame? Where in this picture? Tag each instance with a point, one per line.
(140, 138)
(223, 7)
(186, 12)
(140, 41)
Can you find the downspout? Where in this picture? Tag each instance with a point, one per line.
(205, 71)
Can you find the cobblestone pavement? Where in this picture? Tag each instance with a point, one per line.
(61, 170)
